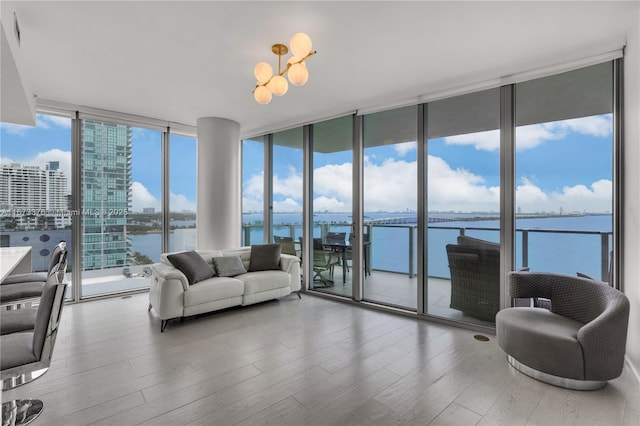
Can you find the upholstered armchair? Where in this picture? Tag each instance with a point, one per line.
(578, 343)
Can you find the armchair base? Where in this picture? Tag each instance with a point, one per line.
(562, 382)
(20, 412)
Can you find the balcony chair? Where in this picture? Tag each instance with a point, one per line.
(18, 288)
(26, 355)
(323, 261)
(578, 342)
(287, 244)
(475, 277)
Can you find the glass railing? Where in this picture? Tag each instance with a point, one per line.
(394, 247)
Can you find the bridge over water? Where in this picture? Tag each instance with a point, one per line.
(404, 220)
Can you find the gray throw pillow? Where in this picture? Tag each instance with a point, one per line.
(265, 257)
(192, 265)
(229, 266)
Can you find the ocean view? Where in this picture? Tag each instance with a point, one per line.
(390, 250)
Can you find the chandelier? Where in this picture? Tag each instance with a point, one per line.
(275, 84)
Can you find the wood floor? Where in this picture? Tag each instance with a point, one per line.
(296, 362)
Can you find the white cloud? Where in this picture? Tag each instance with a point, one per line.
(288, 205)
(390, 186)
(42, 122)
(488, 141)
(254, 188)
(536, 134)
(459, 189)
(403, 148)
(142, 198)
(289, 186)
(180, 203)
(15, 129)
(578, 198)
(323, 203)
(333, 181)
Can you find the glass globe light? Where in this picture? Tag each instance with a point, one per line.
(298, 74)
(300, 45)
(263, 72)
(262, 95)
(278, 85)
(295, 59)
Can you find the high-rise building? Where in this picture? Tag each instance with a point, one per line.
(106, 194)
(34, 197)
(30, 187)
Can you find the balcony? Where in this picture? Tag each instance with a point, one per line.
(393, 279)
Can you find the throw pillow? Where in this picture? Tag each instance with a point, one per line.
(192, 265)
(265, 257)
(229, 266)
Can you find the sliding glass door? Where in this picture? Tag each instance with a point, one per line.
(332, 159)
(463, 207)
(390, 197)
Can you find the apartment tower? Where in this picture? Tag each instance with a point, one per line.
(106, 194)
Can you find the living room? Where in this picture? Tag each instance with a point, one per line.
(185, 72)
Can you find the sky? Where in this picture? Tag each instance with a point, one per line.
(564, 165)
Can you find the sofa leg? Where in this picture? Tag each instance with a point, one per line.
(298, 293)
(163, 325)
(149, 307)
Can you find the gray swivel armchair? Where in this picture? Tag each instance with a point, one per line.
(578, 342)
(26, 355)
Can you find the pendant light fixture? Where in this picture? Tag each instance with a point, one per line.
(275, 84)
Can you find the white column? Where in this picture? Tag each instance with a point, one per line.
(219, 189)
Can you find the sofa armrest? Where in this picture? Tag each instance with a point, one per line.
(291, 264)
(166, 272)
(166, 292)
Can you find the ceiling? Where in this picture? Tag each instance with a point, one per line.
(178, 61)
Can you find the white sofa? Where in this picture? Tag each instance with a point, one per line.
(171, 296)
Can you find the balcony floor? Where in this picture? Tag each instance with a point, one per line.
(400, 290)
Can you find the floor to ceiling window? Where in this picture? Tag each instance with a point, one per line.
(286, 169)
(463, 207)
(564, 172)
(121, 206)
(332, 206)
(35, 188)
(390, 196)
(253, 190)
(182, 193)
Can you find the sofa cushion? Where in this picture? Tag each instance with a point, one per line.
(216, 288)
(265, 257)
(256, 282)
(228, 266)
(194, 267)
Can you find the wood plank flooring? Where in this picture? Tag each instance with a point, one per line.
(296, 362)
